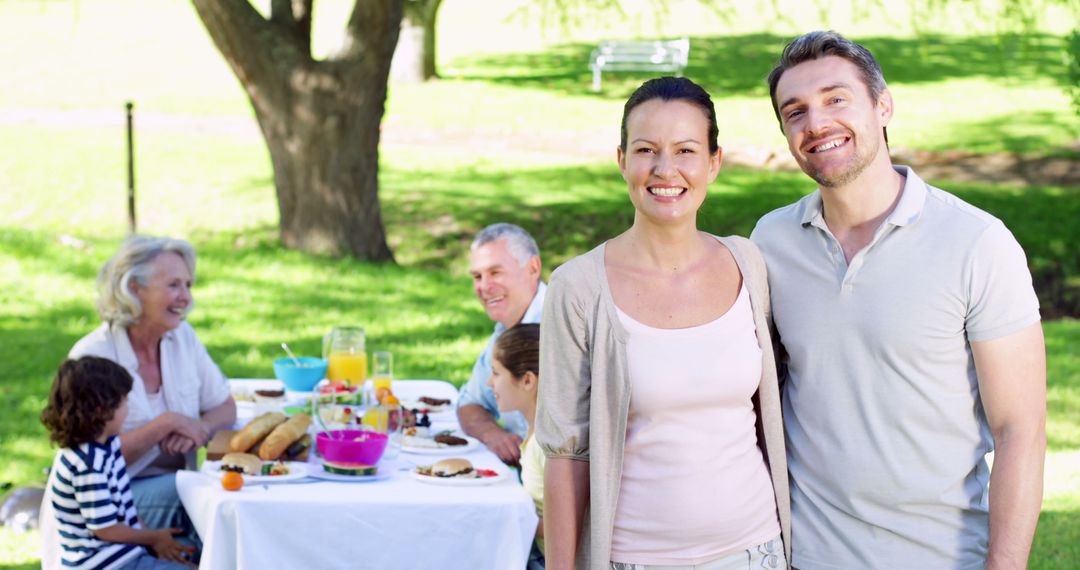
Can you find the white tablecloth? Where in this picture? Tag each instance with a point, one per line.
(390, 524)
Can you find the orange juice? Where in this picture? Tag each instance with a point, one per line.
(377, 418)
(382, 382)
(350, 367)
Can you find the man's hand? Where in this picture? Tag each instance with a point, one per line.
(167, 548)
(478, 422)
(504, 444)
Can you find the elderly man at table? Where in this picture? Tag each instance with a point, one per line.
(505, 265)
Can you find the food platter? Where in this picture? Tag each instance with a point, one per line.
(472, 444)
(459, 481)
(297, 470)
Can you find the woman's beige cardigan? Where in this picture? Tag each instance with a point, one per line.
(582, 340)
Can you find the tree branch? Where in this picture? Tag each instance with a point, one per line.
(372, 31)
(294, 16)
(234, 27)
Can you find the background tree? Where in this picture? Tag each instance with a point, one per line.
(320, 119)
(414, 60)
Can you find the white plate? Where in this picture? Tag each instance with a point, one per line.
(448, 450)
(297, 470)
(317, 472)
(459, 481)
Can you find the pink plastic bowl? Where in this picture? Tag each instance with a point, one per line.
(351, 446)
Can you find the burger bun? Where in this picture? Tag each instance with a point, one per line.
(453, 467)
(248, 464)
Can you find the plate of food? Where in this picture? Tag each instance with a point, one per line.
(421, 440)
(428, 405)
(347, 472)
(456, 471)
(256, 470)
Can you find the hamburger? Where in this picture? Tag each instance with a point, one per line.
(453, 467)
(244, 463)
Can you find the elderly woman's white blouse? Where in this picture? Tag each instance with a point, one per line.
(190, 380)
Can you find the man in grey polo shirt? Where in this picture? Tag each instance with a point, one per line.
(912, 339)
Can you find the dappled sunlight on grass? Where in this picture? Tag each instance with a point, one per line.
(506, 135)
(19, 551)
(1063, 388)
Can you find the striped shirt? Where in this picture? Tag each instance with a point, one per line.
(90, 491)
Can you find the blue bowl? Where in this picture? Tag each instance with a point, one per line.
(301, 378)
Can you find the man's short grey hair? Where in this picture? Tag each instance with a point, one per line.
(521, 245)
(116, 303)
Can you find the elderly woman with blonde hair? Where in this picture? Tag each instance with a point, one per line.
(179, 397)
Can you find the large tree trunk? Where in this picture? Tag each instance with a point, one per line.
(414, 60)
(320, 119)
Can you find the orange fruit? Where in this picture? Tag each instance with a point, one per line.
(382, 394)
(232, 481)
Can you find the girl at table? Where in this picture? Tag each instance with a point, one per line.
(660, 412)
(96, 522)
(515, 378)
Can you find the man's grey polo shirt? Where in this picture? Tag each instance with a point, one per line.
(886, 433)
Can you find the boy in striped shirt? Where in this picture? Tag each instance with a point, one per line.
(89, 486)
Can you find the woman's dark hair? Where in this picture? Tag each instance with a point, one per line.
(518, 349)
(673, 89)
(84, 396)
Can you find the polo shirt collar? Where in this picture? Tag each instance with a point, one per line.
(906, 212)
(910, 206)
(533, 313)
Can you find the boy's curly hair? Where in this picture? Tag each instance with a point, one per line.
(84, 396)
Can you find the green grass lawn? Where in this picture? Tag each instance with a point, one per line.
(507, 126)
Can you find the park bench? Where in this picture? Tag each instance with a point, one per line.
(656, 55)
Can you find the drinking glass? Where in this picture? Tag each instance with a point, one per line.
(382, 370)
(344, 349)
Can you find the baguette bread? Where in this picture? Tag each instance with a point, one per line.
(255, 430)
(283, 436)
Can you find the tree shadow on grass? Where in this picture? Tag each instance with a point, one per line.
(588, 204)
(1020, 132)
(737, 64)
(440, 223)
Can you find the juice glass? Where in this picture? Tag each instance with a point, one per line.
(344, 350)
(382, 370)
(349, 367)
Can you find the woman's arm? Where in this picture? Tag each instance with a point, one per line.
(563, 408)
(135, 443)
(222, 416)
(566, 493)
(201, 430)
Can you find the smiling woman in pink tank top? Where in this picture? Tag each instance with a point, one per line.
(659, 413)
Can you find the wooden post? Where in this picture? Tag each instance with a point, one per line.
(131, 168)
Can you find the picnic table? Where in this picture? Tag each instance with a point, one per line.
(397, 522)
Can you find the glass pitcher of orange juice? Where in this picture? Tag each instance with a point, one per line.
(344, 349)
